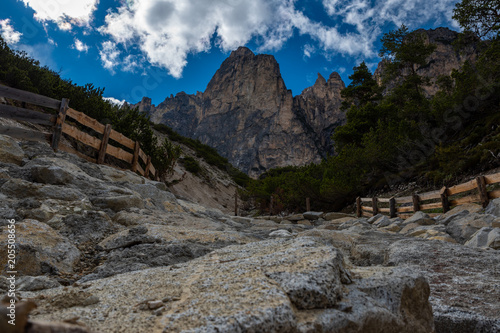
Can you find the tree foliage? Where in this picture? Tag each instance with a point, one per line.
(479, 16)
(20, 71)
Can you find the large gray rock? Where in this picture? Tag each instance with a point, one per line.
(463, 227)
(462, 299)
(40, 250)
(298, 285)
(10, 151)
(313, 215)
(485, 237)
(493, 207)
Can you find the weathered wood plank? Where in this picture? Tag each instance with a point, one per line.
(358, 207)
(13, 112)
(81, 136)
(492, 179)
(143, 156)
(366, 199)
(120, 154)
(367, 209)
(122, 139)
(416, 202)
(483, 192)
(365, 214)
(429, 195)
(152, 169)
(140, 170)
(384, 210)
(375, 206)
(494, 194)
(24, 134)
(460, 188)
(85, 120)
(392, 207)
(404, 209)
(404, 200)
(104, 144)
(384, 200)
(61, 117)
(135, 159)
(71, 150)
(468, 199)
(405, 216)
(433, 205)
(29, 97)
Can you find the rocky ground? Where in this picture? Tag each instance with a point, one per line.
(104, 250)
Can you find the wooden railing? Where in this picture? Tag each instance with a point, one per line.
(480, 190)
(60, 126)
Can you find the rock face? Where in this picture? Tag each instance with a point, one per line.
(442, 61)
(250, 117)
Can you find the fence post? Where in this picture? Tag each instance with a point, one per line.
(392, 207)
(235, 202)
(444, 199)
(271, 204)
(104, 144)
(416, 203)
(61, 117)
(483, 192)
(135, 161)
(359, 210)
(308, 204)
(374, 205)
(148, 166)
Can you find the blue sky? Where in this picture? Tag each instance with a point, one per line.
(156, 48)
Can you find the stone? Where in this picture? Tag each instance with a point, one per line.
(462, 228)
(305, 222)
(381, 222)
(279, 285)
(295, 218)
(41, 250)
(34, 283)
(334, 216)
(10, 151)
(313, 215)
(40, 326)
(420, 218)
(460, 301)
(53, 175)
(281, 233)
(493, 207)
(375, 218)
(485, 237)
(117, 201)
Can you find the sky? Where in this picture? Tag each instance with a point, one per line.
(156, 48)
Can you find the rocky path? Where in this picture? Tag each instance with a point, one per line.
(104, 250)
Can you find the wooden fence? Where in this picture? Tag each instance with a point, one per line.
(479, 190)
(60, 126)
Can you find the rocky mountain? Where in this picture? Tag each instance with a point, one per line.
(443, 60)
(104, 250)
(250, 117)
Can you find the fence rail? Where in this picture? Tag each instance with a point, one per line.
(480, 190)
(60, 126)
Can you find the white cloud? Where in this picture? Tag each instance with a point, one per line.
(109, 56)
(113, 100)
(8, 33)
(80, 46)
(167, 31)
(66, 13)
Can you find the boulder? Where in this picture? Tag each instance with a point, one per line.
(34, 283)
(279, 285)
(462, 300)
(281, 233)
(485, 237)
(313, 215)
(463, 227)
(420, 218)
(493, 207)
(53, 175)
(383, 221)
(41, 250)
(10, 151)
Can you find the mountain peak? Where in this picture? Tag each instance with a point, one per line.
(242, 51)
